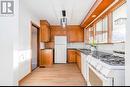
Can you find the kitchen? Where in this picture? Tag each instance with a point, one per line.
(72, 43)
(94, 45)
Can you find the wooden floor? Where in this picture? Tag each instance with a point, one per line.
(58, 75)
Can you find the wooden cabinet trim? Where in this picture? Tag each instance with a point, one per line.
(96, 9)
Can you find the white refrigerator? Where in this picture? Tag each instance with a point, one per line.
(60, 49)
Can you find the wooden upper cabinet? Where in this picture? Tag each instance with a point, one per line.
(75, 34)
(45, 31)
(57, 31)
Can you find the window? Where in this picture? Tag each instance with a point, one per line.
(105, 23)
(91, 34)
(102, 30)
(111, 28)
(99, 37)
(86, 35)
(119, 24)
(105, 29)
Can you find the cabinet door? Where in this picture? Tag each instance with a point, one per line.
(44, 32)
(46, 58)
(57, 31)
(79, 60)
(75, 34)
(71, 56)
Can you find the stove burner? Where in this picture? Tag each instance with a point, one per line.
(113, 60)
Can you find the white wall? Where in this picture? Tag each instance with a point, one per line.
(127, 72)
(77, 45)
(25, 39)
(9, 48)
(110, 47)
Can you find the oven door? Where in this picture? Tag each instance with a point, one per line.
(97, 79)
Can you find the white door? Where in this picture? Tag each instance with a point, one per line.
(60, 54)
(34, 47)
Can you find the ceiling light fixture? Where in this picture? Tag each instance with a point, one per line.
(63, 20)
(93, 16)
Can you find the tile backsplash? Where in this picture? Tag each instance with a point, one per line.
(77, 45)
(119, 47)
(111, 47)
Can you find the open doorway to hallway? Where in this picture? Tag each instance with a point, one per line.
(34, 46)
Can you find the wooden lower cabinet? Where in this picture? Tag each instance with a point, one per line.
(78, 57)
(74, 56)
(46, 58)
(71, 56)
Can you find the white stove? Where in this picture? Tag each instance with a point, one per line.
(109, 68)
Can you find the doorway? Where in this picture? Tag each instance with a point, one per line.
(34, 46)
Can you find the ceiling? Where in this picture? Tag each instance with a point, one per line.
(51, 10)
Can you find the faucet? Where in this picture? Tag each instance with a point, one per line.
(95, 50)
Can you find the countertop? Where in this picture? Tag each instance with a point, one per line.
(82, 50)
(47, 49)
(85, 51)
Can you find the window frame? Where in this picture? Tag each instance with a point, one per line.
(107, 14)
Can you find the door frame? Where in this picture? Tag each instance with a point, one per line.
(38, 44)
